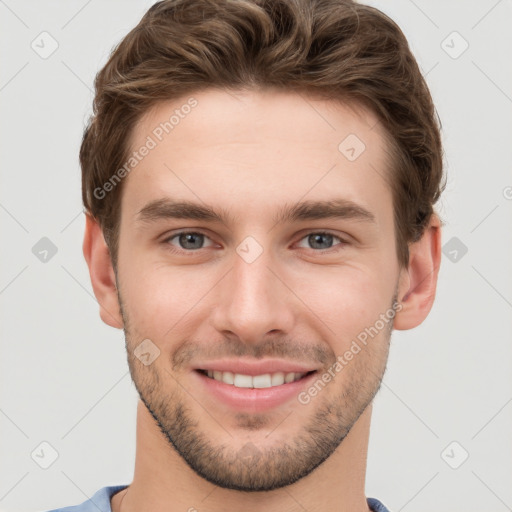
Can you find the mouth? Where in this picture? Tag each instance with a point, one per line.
(252, 393)
(266, 380)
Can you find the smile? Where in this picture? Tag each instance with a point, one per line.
(266, 380)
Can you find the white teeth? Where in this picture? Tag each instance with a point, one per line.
(262, 381)
(289, 377)
(242, 381)
(277, 379)
(266, 380)
(228, 378)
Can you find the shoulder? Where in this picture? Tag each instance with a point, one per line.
(375, 505)
(99, 502)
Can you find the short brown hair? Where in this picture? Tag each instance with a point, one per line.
(335, 49)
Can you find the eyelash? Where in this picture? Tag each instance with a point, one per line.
(192, 251)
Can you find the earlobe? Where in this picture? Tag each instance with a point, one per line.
(418, 281)
(102, 275)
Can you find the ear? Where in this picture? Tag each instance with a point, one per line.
(103, 280)
(417, 288)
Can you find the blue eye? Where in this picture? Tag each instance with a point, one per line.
(188, 240)
(191, 241)
(321, 240)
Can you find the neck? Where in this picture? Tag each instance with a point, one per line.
(164, 482)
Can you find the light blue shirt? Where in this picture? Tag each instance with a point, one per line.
(100, 502)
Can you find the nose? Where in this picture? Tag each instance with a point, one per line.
(254, 301)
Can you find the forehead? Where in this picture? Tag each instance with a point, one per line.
(262, 148)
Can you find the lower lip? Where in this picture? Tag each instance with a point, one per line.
(254, 399)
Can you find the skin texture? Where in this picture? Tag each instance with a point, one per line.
(247, 155)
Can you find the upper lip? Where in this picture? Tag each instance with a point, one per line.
(255, 367)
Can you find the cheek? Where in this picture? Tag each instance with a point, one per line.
(159, 300)
(347, 299)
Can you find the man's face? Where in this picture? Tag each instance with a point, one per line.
(253, 287)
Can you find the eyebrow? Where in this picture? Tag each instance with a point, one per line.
(166, 208)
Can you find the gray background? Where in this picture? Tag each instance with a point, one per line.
(64, 374)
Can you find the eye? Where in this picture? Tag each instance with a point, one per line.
(322, 240)
(187, 241)
(190, 241)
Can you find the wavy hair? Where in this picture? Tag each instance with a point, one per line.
(334, 49)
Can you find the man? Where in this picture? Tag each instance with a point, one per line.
(259, 180)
